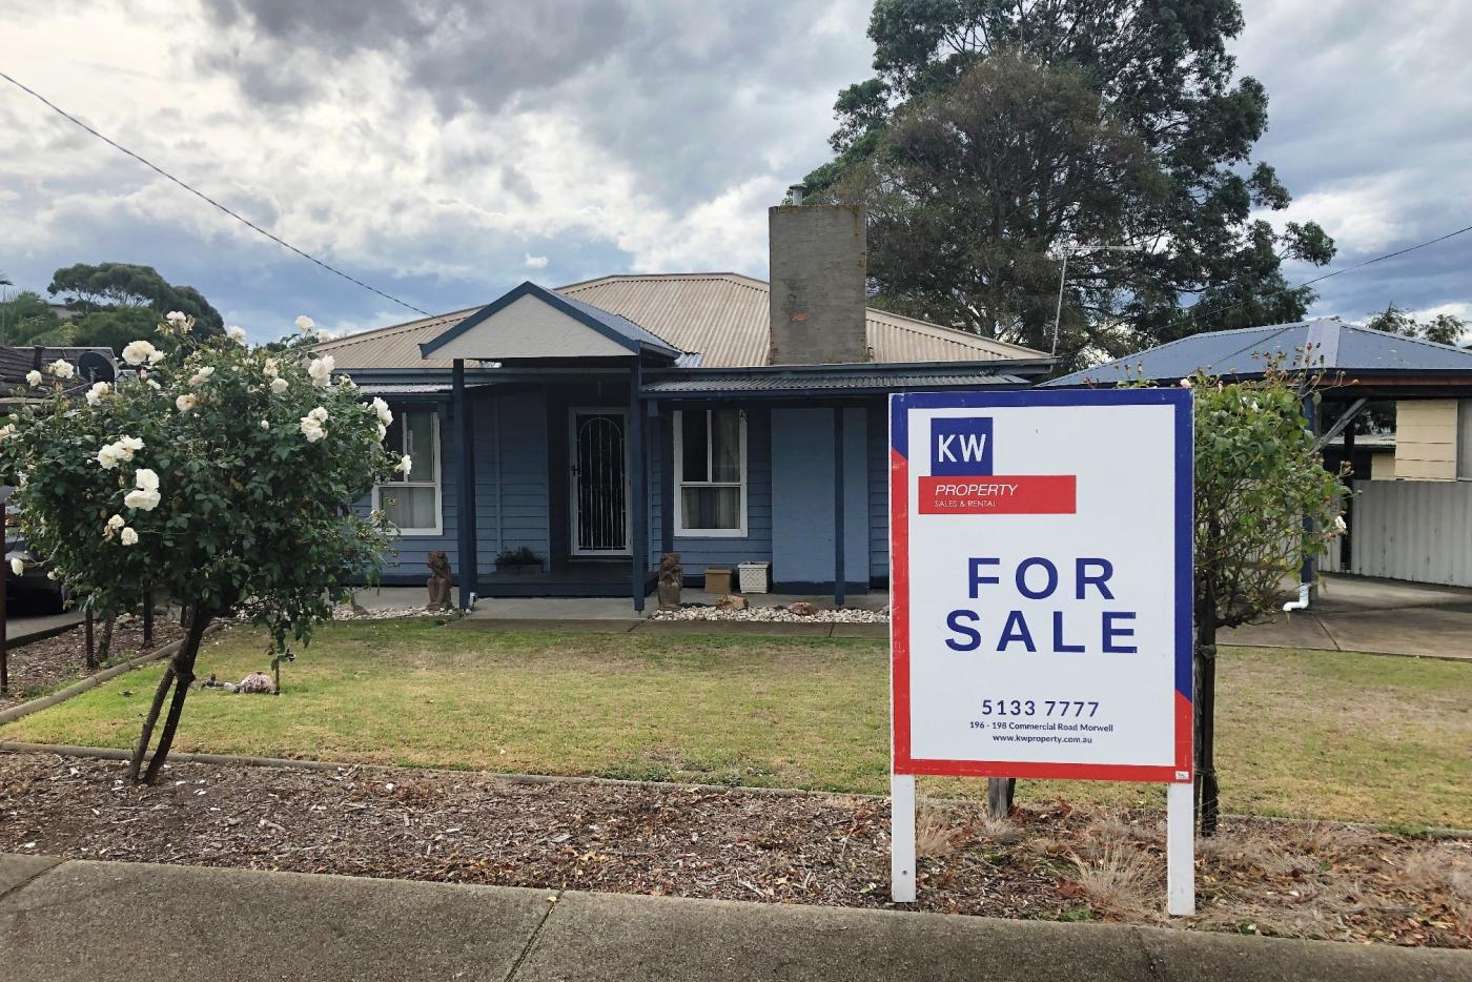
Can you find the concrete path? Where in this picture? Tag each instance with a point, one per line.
(110, 922)
(1378, 616)
(19, 630)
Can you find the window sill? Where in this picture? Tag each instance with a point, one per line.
(710, 533)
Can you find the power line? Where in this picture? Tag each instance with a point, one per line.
(206, 198)
(1193, 310)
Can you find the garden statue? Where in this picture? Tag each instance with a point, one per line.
(439, 581)
(671, 576)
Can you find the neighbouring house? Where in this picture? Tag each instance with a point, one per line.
(593, 427)
(1410, 507)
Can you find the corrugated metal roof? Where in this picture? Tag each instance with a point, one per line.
(1329, 343)
(777, 380)
(726, 317)
(721, 316)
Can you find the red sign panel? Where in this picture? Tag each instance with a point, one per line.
(1026, 494)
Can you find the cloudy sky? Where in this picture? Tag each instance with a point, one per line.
(444, 150)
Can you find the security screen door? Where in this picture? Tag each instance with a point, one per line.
(600, 495)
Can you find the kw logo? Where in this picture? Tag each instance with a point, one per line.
(961, 447)
(962, 480)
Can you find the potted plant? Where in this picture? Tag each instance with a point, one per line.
(518, 562)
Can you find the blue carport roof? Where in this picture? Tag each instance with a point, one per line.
(1327, 343)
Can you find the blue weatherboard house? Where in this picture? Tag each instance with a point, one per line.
(595, 426)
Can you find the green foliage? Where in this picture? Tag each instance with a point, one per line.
(998, 136)
(1442, 329)
(203, 480)
(117, 285)
(1258, 476)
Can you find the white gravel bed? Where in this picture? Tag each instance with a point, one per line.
(845, 615)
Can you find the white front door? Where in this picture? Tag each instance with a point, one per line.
(600, 490)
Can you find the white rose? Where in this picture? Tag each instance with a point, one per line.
(61, 368)
(382, 432)
(146, 479)
(155, 357)
(385, 416)
(116, 522)
(18, 566)
(7, 431)
(176, 317)
(1340, 524)
(130, 443)
(142, 499)
(185, 402)
(108, 457)
(405, 464)
(1185, 383)
(320, 369)
(265, 424)
(235, 333)
(129, 537)
(319, 414)
(312, 429)
(305, 324)
(33, 377)
(202, 376)
(278, 385)
(98, 390)
(137, 352)
(271, 369)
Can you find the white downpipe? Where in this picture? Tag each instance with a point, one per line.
(1301, 603)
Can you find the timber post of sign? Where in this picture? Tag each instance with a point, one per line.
(1041, 548)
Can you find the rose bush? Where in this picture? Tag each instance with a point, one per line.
(214, 473)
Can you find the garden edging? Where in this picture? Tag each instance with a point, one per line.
(92, 681)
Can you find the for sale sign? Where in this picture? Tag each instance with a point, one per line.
(1041, 557)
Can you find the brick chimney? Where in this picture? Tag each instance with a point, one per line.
(818, 262)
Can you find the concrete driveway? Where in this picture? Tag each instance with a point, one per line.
(1379, 616)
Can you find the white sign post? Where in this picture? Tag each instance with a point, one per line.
(1040, 548)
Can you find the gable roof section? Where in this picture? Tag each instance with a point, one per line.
(724, 317)
(615, 332)
(1329, 344)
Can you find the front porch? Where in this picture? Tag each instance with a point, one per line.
(593, 578)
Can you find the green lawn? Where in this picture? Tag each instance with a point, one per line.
(1312, 734)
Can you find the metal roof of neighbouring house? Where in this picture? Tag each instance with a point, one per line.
(15, 362)
(723, 318)
(1326, 343)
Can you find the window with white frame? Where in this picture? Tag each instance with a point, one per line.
(412, 501)
(710, 472)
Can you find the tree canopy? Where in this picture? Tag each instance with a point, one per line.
(102, 305)
(1442, 328)
(998, 136)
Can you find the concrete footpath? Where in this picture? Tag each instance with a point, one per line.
(99, 922)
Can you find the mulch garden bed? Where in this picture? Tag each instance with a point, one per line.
(1258, 876)
(39, 667)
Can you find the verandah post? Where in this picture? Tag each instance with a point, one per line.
(639, 532)
(465, 509)
(838, 509)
